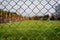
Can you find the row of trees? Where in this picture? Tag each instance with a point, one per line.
(6, 16)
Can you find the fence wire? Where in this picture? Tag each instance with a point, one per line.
(18, 10)
(29, 7)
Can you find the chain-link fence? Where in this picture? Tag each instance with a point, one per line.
(18, 10)
(29, 7)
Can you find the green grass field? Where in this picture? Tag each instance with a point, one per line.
(30, 30)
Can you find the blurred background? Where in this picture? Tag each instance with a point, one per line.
(29, 7)
(29, 19)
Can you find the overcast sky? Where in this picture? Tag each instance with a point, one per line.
(19, 6)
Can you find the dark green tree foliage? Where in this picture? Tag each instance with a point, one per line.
(57, 12)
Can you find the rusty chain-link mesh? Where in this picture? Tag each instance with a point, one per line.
(30, 8)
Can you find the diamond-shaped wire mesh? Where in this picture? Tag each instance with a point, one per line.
(18, 10)
(27, 6)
